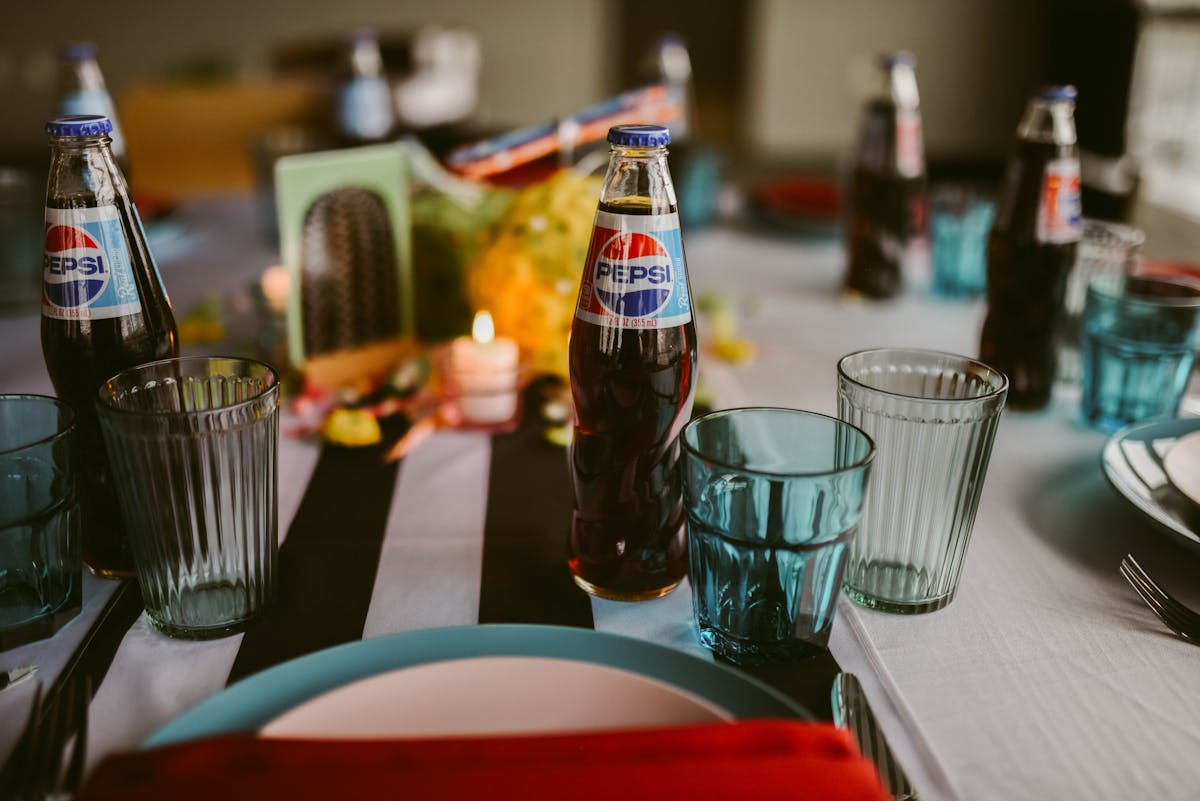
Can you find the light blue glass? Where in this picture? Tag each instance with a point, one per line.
(1137, 348)
(774, 497)
(39, 519)
(959, 229)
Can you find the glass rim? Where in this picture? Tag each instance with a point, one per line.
(991, 394)
(109, 408)
(1105, 286)
(62, 433)
(862, 463)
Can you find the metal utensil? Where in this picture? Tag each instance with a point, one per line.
(1179, 618)
(13, 677)
(37, 770)
(851, 711)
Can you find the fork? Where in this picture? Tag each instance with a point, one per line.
(1179, 618)
(38, 773)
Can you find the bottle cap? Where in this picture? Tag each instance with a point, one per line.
(77, 51)
(896, 59)
(79, 125)
(639, 135)
(1058, 93)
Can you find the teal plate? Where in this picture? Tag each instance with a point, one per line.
(252, 703)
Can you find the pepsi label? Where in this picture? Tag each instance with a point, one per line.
(86, 269)
(634, 275)
(1060, 210)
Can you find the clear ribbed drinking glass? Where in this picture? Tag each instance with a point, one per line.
(193, 446)
(933, 418)
(773, 498)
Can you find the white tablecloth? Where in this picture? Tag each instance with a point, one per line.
(1045, 678)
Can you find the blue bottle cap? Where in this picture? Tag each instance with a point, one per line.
(77, 51)
(79, 125)
(639, 135)
(898, 58)
(1058, 93)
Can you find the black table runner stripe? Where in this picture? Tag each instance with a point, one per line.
(328, 562)
(525, 577)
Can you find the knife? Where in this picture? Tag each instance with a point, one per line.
(851, 711)
(9, 678)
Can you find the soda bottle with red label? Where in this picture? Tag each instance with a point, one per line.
(888, 194)
(103, 309)
(1031, 248)
(633, 372)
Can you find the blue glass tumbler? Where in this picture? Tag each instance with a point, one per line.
(774, 497)
(1137, 348)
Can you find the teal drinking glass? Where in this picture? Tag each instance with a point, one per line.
(774, 497)
(40, 575)
(1137, 348)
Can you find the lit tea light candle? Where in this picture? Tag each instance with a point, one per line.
(484, 373)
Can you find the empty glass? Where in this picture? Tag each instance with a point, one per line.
(193, 445)
(1137, 348)
(774, 497)
(39, 519)
(933, 417)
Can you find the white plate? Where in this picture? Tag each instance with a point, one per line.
(655, 676)
(1134, 464)
(494, 695)
(1182, 466)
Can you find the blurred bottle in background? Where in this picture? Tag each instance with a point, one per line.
(364, 112)
(81, 90)
(888, 187)
(1039, 222)
(697, 168)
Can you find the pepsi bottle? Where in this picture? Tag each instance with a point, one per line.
(103, 309)
(888, 193)
(81, 90)
(633, 372)
(1031, 249)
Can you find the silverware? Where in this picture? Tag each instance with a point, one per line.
(1179, 618)
(851, 711)
(38, 772)
(11, 678)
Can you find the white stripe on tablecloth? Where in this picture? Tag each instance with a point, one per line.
(154, 678)
(431, 563)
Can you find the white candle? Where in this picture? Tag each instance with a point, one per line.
(484, 373)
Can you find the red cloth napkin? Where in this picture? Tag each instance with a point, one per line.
(760, 760)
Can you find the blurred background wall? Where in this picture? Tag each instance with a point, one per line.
(778, 83)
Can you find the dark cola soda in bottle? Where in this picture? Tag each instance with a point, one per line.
(103, 309)
(1032, 248)
(886, 240)
(633, 373)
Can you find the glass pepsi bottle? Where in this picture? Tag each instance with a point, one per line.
(633, 372)
(103, 308)
(81, 90)
(888, 190)
(1031, 249)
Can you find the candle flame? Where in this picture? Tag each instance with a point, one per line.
(483, 330)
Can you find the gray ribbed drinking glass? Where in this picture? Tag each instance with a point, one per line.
(193, 446)
(933, 418)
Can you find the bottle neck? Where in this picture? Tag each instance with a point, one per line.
(1051, 121)
(82, 75)
(639, 179)
(82, 168)
(900, 86)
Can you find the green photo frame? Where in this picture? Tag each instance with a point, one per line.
(343, 216)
